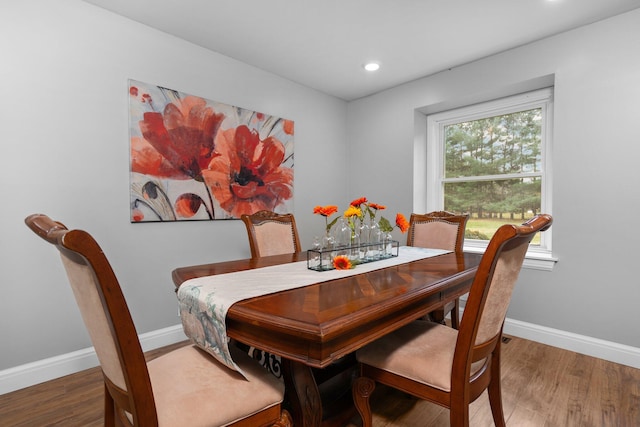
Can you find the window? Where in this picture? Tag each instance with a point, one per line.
(492, 160)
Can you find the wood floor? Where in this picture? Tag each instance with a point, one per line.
(542, 386)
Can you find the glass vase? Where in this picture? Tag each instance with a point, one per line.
(342, 234)
(328, 246)
(354, 247)
(387, 245)
(364, 238)
(375, 241)
(314, 260)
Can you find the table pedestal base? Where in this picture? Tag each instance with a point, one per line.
(320, 397)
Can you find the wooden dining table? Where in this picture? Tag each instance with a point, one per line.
(318, 327)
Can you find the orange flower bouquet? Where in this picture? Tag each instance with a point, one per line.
(346, 249)
(364, 206)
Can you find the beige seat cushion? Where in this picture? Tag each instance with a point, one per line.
(421, 351)
(192, 389)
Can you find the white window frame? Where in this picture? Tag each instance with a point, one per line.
(541, 256)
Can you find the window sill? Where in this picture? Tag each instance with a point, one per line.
(534, 260)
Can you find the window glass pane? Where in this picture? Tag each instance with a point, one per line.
(493, 203)
(504, 144)
(491, 160)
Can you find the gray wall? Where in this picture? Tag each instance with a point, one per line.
(594, 289)
(64, 72)
(64, 114)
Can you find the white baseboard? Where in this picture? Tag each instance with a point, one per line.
(40, 371)
(54, 367)
(607, 350)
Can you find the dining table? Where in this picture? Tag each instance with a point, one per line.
(317, 328)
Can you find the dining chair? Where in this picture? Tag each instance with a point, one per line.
(184, 387)
(439, 230)
(271, 233)
(449, 367)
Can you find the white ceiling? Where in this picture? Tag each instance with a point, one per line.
(323, 44)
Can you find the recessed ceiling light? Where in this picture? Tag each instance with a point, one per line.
(371, 66)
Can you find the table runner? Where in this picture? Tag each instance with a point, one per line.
(204, 301)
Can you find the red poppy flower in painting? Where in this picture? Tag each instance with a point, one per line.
(187, 205)
(147, 160)
(246, 174)
(180, 140)
(287, 127)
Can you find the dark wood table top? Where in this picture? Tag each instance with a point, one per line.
(320, 323)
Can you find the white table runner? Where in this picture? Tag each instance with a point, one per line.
(204, 301)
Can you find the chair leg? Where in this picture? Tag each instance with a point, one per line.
(109, 409)
(455, 314)
(459, 415)
(495, 389)
(361, 391)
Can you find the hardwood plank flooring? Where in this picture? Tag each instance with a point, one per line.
(75, 400)
(543, 386)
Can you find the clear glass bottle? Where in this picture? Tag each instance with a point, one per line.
(354, 245)
(342, 234)
(326, 257)
(387, 244)
(314, 257)
(364, 238)
(375, 241)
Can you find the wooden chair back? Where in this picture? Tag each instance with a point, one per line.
(461, 364)
(438, 230)
(189, 386)
(107, 318)
(490, 294)
(271, 233)
(480, 333)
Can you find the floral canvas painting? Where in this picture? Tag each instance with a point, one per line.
(197, 159)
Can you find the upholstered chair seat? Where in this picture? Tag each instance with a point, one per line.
(405, 352)
(186, 389)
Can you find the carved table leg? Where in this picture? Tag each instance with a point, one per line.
(302, 393)
(362, 389)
